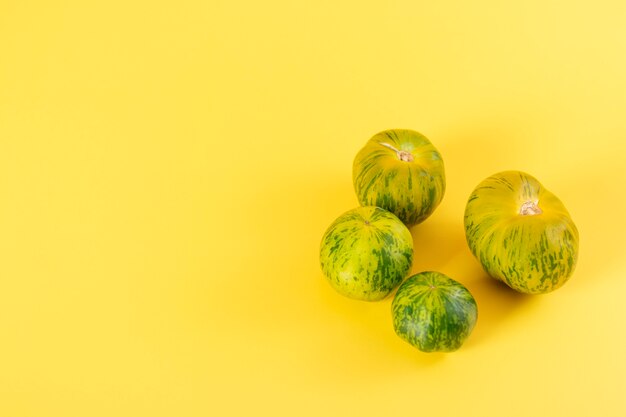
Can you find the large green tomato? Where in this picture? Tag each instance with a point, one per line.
(366, 253)
(521, 233)
(400, 171)
(433, 312)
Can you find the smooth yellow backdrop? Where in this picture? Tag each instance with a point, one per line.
(167, 170)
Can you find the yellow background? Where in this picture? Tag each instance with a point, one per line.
(167, 170)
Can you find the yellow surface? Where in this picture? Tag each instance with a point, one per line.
(167, 170)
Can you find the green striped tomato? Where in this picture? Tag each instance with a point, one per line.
(433, 312)
(521, 233)
(366, 253)
(400, 171)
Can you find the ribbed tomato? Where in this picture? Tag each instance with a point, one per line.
(521, 233)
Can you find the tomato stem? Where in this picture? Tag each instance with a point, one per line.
(530, 208)
(402, 155)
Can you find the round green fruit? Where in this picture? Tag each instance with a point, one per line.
(366, 253)
(521, 233)
(402, 172)
(433, 312)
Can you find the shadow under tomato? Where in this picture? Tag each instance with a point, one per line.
(598, 212)
(436, 242)
(497, 304)
(366, 333)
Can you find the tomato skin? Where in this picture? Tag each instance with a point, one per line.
(521, 233)
(433, 312)
(366, 253)
(401, 171)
